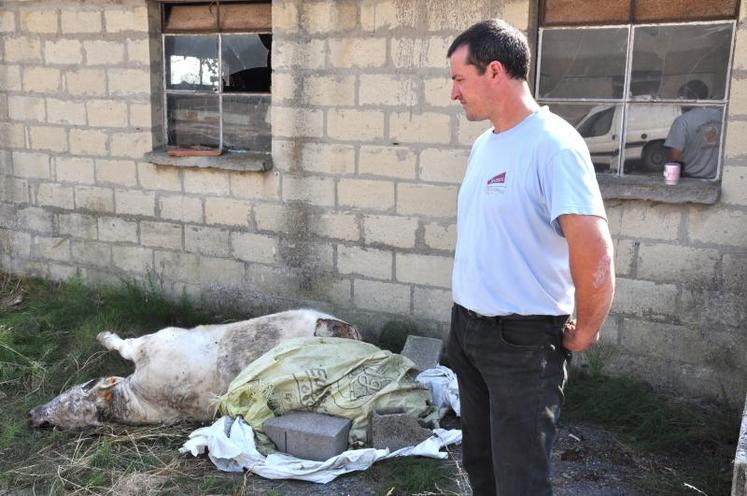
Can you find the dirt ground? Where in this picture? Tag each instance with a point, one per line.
(587, 461)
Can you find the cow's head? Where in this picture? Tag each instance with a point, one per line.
(80, 406)
(336, 328)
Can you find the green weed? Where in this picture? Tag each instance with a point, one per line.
(412, 475)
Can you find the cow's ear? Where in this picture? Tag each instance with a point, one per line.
(109, 382)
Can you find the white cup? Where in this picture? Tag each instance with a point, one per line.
(672, 173)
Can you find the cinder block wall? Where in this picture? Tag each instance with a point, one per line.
(357, 216)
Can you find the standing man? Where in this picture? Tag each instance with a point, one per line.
(532, 245)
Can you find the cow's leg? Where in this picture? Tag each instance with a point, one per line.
(127, 348)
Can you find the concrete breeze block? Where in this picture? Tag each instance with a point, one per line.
(309, 435)
(425, 352)
(395, 430)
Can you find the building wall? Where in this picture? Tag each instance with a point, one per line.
(358, 214)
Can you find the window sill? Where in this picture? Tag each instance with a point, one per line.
(652, 188)
(237, 161)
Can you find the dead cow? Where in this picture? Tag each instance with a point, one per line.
(179, 371)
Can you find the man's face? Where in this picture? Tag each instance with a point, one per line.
(472, 89)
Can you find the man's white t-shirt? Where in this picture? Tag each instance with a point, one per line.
(511, 256)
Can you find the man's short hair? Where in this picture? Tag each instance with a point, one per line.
(695, 89)
(495, 39)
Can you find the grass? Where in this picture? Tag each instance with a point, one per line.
(693, 443)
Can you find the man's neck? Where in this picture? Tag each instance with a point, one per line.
(516, 106)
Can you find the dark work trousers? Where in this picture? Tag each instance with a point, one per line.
(511, 372)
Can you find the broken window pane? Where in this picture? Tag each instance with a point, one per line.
(246, 122)
(246, 63)
(667, 58)
(193, 120)
(655, 129)
(601, 128)
(192, 63)
(583, 63)
(564, 12)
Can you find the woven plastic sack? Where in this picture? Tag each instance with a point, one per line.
(334, 376)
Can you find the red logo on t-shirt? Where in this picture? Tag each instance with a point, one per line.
(499, 179)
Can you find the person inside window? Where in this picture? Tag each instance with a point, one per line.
(694, 137)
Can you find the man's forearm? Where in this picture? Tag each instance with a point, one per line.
(592, 270)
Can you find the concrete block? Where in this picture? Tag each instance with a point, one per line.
(48, 138)
(443, 166)
(665, 262)
(77, 226)
(76, 170)
(292, 122)
(426, 200)
(84, 21)
(283, 87)
(132, 258)
(132, 145)
(284, 18)
(440, 236)
(178, 266)
(138, 51)
(221, 273)
(734, 185)
(52, 248)
(437, 92)
(180, 208)
(227, 212)
(368, 262)
(309, 54)
(92, 253)
(135, 202)
(739, 480)
(365, 194)
(328, 17)
(640, 297)
(390, 230)
(251, 247)
(26, 108)
(309, 435)
(132, 19)
(389, 14)
(206, 182)
(255, 186)
(389, 161)
(31, 165)
(10, 76)
(107, 113)
(141, 115)
(13, 135)
(314, 190)
(158, 177)
(647, 220)
(128, 82)
(416, 53)
(722, 226)
(468, 131)
(41, 80)
(116, 229)
(36, 20)
(434, 304)
(357, 52)
(161, 235)
(88, 142)
(428, 127)
(327, 158)
(63, 52)
(395, 430)
(207, 241)
(429, 270)
(116, 172)
(329, 90)
(441, 17)
(385, 89)
(7, 21)
(338, 226)
(355, 125)
(517, 14)
(381, 296)
(55, 195)
(66, 112)
(425, 352)
(96, 199)
(22, 49)
(86, 82)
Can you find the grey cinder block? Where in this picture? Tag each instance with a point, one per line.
(309, 435)
(395, 430)
(739, 482)
(425, 352)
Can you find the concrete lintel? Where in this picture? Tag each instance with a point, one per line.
(238, 161)
(688, 190)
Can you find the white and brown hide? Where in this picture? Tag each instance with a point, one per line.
(178, 372)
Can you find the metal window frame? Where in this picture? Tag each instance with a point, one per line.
(219, 92)
(626, 100)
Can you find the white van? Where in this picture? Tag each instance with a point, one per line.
(648, 126)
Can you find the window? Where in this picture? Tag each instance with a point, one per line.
(643, 81)
(216, 76)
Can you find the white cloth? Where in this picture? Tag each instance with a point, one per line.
(442, 382)
(231, 448)
(511, 257)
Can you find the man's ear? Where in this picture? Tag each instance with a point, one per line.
(495, 69)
